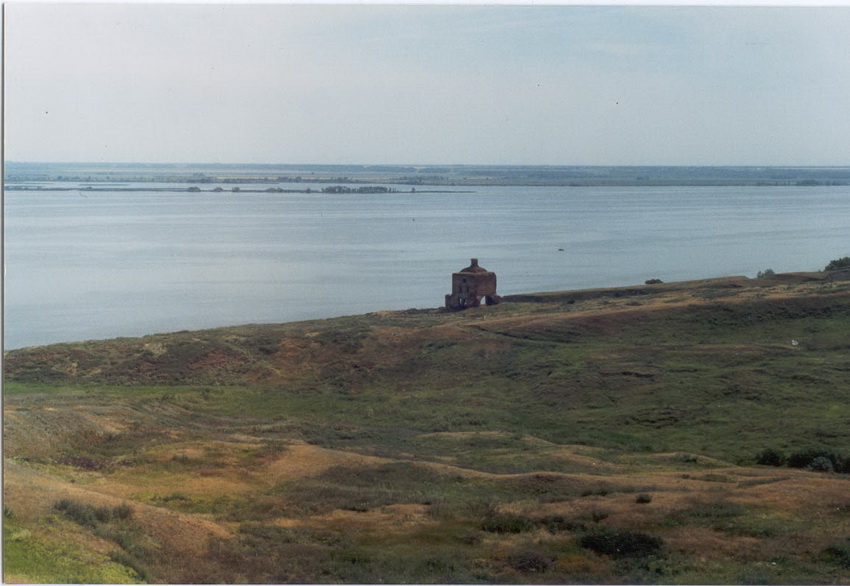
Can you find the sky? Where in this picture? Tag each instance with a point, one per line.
(427, 84)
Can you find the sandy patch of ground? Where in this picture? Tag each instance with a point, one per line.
(302, 460)
(801, 491)
(193, 485)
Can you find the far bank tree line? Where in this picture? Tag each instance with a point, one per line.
(363, 189)
(330, 189)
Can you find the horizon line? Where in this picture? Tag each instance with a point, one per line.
(315, 164)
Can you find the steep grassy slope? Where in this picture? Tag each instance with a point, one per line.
(599, 436)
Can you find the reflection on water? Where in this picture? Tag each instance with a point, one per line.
(105, 264)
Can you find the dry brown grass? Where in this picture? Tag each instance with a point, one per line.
(302, 460)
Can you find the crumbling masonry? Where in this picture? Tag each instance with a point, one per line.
(470, 286)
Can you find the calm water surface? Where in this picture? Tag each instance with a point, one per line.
(84, 265)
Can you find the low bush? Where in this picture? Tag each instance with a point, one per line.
(558, 524)
(108, 523)
(643, 499)
(128, 561)
(814, 459)
(529, 561)
(838, 555)
(821, 464)
(85, 463)
(622, 544)
(596, 515)
(507, 523)
(770, 457)
(122, 512)
(80, 513)
(90, 516)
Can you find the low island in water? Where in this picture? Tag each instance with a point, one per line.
(428, 175)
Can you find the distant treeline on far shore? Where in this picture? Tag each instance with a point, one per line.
(414, 175)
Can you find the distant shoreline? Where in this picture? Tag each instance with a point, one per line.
(213, 191)
(707, 288)
(449, 176)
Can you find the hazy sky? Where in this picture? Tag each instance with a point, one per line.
(562, 85)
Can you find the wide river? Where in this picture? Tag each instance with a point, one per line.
(100, 264)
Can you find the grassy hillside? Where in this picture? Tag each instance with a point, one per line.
(590, 436)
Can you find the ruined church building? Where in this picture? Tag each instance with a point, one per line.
(470, 286)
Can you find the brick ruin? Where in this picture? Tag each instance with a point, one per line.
(470, 286)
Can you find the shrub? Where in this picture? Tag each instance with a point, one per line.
(596, 516)
(643, 499)
(529, 561)
(103, 514)
(507, 523)
(439, 565)
(821, 464)
(89, 516)
(838, 555)
(79, 513)
(770, 457)
(122, 512)
(765, 274)
(129, 561)
(653, 281)
(557, 524)
(85, 463)
(840, 263)
(806, 459)
(622, 544)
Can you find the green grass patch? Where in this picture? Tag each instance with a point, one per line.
(40, 560)
(364, 488)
